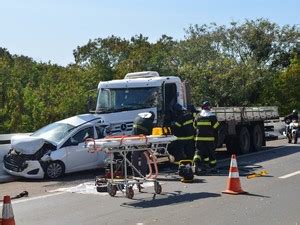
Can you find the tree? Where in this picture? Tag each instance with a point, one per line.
(243, 58)
(287, 87)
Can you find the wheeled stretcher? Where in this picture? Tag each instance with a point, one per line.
(152, 146)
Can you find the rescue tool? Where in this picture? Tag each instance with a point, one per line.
(260, 174)
(185, 170)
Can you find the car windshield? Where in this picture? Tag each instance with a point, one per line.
(54, 132)
(121, 99)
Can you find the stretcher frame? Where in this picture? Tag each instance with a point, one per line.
(151, 145)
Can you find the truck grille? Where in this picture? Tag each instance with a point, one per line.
(122, 127)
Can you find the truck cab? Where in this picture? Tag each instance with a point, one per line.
(120, 101)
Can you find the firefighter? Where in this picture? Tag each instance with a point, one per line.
(182, 128)
(142, 124)
(206, 126)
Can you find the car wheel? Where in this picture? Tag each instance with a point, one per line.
(54, 169)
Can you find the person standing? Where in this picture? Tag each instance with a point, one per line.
(182, 128)
(290, 118)
(206, 126)
(142, 124)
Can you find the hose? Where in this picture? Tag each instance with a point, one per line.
(22, 194)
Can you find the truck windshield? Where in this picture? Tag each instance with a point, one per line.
(122, 99)
(53, 132)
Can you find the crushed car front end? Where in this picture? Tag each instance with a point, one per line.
(27, 165)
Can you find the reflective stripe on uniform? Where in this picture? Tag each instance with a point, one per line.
(216, 125)
(204, 139)
(204, 123)
(177, 124)
(206, 159)
(185, 138)
(187, 122)
(213, 162)
(196, 157)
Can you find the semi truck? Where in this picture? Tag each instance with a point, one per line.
(120, 101)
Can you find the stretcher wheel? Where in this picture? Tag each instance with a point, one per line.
(129, 192)
(112, 190)
(157, 188)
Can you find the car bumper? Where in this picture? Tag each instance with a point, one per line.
(32, 170)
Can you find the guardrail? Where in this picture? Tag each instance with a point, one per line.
(5, 138)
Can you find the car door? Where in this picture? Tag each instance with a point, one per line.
(101, 155)
(78, 157)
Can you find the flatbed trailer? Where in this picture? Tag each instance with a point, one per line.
(242, 128)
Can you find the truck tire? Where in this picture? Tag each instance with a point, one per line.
(244, 140)
(221, 136)
(257, 138)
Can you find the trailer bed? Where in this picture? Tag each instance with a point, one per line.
(239, 114)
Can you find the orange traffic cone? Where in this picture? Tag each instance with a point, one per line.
(233, 181)
(7, 212)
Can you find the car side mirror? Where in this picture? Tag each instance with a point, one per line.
(91, 100)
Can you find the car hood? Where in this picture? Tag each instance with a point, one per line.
(27, 144)
(80, 119)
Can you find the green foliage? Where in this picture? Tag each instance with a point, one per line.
(288, 85)
(254, 63)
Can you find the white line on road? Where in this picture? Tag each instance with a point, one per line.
(290, 175)
(35, 198)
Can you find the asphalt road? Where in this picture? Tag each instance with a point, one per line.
(272, 199)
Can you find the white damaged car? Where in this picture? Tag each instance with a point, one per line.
(56, 149)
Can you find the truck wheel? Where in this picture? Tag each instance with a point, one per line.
(221, 136)
(244, 140)
(54, 169)
(257, 138)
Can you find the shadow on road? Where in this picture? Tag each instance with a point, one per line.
(269, 155)
(256, 195)
(171, 199)
(250, 164)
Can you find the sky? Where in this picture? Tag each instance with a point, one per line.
(49, 30)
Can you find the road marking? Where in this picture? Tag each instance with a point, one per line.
(35, 198)
(290, 175)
